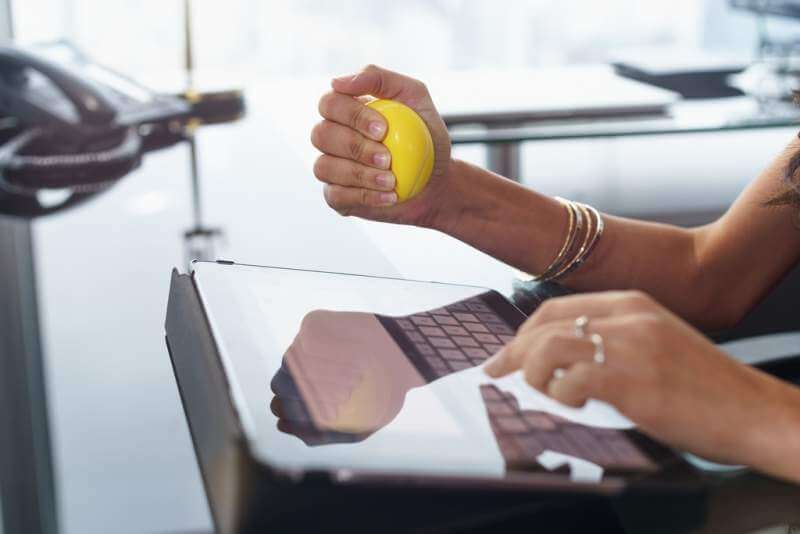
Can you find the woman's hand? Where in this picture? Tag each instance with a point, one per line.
(355, 165)
(662, 374)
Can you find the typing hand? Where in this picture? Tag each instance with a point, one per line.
(355, 166)
(662, 374)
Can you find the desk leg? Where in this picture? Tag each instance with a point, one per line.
(504, 159)
(27, 493)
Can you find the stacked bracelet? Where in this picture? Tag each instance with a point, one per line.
(570, 257)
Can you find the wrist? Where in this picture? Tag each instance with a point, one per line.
(444, 203)
(774, 438)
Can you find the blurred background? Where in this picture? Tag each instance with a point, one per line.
(243, 40)
(122, 455)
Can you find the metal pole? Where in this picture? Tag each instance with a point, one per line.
(26, 473)
(27, 489)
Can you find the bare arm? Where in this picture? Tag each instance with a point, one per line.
(710, 275)
(692, 271)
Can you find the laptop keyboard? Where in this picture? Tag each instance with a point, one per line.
(522, 435)
(450, 339)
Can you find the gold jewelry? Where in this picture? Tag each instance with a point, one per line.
(574, 228)
(582, 255)
(581, 251)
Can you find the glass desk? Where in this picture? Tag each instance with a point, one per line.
(505, 139)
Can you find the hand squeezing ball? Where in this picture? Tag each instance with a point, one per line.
(410, 145)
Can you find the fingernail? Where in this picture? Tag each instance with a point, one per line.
(387, 199)
(345, 78)
(492, 365)
(381, 159)
(385, 181)
(377, 129)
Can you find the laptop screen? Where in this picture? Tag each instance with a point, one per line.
(355, 373)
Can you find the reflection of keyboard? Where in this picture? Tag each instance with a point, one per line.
(450, 339)
(522, 435)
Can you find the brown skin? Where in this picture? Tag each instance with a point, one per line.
(660, 372)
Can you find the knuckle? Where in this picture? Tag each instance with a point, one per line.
(325, 104)
(357, 147)
(358, 118)
(421, 87)
(552, 338)
(370, 67)
(320, 166)
(359, 176)
(317, 134)
(363, 197)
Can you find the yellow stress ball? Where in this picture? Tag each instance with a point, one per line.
(410, 144)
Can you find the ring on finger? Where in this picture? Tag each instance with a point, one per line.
(599, 356)
(581, 326)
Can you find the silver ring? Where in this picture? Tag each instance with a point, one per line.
(599, 348)
(581, 324)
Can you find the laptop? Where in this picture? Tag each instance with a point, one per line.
(366, 382)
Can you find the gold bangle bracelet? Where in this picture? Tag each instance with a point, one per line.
(587, 237)
(574, 227)
(598, 233)
(599, 226)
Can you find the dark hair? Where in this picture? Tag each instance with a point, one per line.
(790, 195)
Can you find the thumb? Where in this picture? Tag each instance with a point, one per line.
(381, 83)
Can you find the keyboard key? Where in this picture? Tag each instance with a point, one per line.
(499, 408)
(489, 317)
(456, 307)
(415, 337)
(555, 442)
(476, 353)
(486, 338)
(476, 327)
(452, 354)
(491, 393)
(425, 349)
(511, 453)
(455, 330)
(530, 446)
(460, 366)
(499, 328)
(405, 324)
(493, 349)
(466, 317)
(505, 339)
(441, 319)
(512, 424)
(421, 320)
(538, 420)
(439, 311)
(467, 342)
(627, 454)
(437, 364)
(478, 306)
(442, 343)
(432, 331)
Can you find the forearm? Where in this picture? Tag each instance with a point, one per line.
(771, 439)
(526, 229)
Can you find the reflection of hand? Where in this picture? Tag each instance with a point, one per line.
(662, 374)
(293, 416)
(355, 166)
(350, 373)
